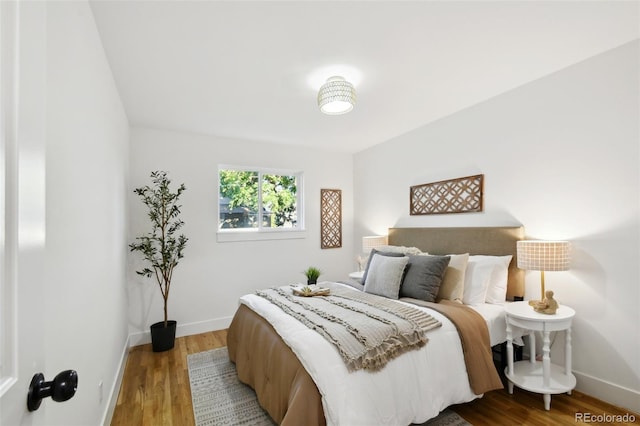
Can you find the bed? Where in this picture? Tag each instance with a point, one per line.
(300, 378)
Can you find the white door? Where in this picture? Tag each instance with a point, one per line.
(22, 206)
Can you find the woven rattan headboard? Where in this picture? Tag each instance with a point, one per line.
(492, 241)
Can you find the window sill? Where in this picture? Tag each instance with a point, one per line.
(233, 236)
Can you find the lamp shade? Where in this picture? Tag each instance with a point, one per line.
(374, 241)
(336, 96)
(536, 255)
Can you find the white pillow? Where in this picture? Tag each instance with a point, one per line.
(497, 285)
(385, 276)
(476, 282)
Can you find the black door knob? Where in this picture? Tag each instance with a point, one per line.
(60, 389)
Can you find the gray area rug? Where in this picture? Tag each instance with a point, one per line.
(219, 398)
(447, 418)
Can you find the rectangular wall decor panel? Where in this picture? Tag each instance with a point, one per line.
(330, 218)
(462, 195)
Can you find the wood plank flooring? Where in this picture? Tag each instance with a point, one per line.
(155, 387)
(155, 391)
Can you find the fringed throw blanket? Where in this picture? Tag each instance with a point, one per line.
(367, 330)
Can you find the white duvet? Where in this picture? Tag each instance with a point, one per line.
(412, 388)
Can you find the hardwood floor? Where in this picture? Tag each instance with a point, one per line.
(155, 387)
(527, 408)
(155, 391)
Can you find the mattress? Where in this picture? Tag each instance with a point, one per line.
(496, 323)
(495, 317)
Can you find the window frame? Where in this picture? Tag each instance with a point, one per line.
(261, 232)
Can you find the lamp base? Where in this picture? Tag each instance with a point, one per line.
(548, 305)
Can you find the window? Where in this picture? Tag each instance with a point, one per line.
(253, 200)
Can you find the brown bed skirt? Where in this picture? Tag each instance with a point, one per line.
(264, 362)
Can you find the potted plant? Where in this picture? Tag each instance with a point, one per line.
(161, 248)
(312, 274)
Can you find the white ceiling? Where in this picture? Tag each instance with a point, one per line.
(251, 70)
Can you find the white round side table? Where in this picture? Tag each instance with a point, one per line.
(539, 376)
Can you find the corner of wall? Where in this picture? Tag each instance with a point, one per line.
(114, 392)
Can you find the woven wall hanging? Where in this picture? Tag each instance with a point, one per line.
(330, 218)
(461, 195)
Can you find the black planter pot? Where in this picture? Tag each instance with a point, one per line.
(311, 282)
(163, 338)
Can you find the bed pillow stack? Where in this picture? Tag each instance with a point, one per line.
(464, 278)
(404, 272)
(476, 279)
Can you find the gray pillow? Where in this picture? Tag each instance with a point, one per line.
(423, 277)
(373, 253)
(385, 275)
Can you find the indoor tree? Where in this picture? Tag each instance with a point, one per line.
(161, 248)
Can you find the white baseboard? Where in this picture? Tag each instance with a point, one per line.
(144, 337)
(115, 388)
(609, 392)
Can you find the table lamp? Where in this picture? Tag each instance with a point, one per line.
(374, 241)
(537, 255)
(368, 244)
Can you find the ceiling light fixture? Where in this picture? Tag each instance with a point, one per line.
(337, 96)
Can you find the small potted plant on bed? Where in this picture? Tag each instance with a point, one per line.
(161, 248)
(312, 274)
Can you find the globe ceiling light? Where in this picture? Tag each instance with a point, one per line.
(336, 96)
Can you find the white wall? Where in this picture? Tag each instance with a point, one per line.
(560, 156)
(86, 215)
(213, 275)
